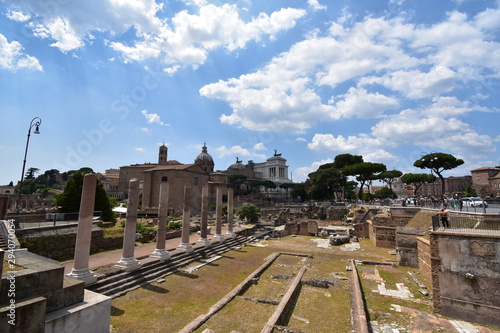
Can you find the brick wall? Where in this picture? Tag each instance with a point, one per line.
(424, 257)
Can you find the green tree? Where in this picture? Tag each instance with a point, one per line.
(30, 174)
(299, 191)
(417, 180)
(389, 176)
(438, 162)
(470, 191)
(326, 182)
(249, 212)
(364, 172)
(69, 200)
(29, 186)
(343, 160)
(385, 193)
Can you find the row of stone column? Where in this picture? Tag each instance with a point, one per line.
(128, 261)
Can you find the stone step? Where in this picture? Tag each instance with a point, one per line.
(119, 283)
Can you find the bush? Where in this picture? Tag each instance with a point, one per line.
(140, 227)
(174, 225)
(249, 212)
(143, 228)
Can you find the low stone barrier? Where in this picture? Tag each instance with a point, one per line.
(359, 319)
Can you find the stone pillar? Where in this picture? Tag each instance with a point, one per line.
(230, 232)
(186, 217)
(218, 237)
(128, 262)
(81, 269)
(204, 217)
(160, 252)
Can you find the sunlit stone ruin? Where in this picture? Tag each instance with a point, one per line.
(459, 264)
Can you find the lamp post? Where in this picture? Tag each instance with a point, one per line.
(35, 122)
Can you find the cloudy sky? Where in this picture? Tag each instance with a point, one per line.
(112, 79)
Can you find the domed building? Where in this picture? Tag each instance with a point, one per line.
(205, 160)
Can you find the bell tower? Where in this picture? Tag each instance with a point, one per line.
(162, 155)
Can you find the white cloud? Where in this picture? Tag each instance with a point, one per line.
(302, 172)
(300, 139)
(12, 58)
(359, 103)
(145, 130)
(139, 149)
(223, 151)
(259, 146)
(419, 62)
(414, 84)
(461, 43)
(191, 36)
(18, 16)
(316, 5)
(331, 144)
(435, 128)
(153, 118)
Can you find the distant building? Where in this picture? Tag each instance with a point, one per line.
(273, 169)
(129, 172)
(197, 175)
(6, 190)
(486, 181)
(110, 179)
(177, 176)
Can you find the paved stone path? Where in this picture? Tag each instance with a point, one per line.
(140, 251)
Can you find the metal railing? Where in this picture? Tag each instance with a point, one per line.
(39, 220)
(479, 223)
(453, 205)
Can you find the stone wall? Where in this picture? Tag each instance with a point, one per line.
(382, 236)
(424, 257)
(29, 316)
(62, 246)
(361, 230)
(466, 276)
(406, 246)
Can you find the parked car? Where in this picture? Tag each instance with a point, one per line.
(474, 202)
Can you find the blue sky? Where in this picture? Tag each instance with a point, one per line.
(113, 79)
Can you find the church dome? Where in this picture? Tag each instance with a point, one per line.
(205, 160)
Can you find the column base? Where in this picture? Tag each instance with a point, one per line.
(129, 264)
(85, 275)
(204, 241)
(218, 238)
(161, 254)
(186, 247)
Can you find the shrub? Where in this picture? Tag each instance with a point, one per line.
(174, 225)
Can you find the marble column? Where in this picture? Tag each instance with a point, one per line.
(160, 252)
(128, 262)
(204, 217)
(230, 232)
(218, 237)
(186, 219)
(81, 269)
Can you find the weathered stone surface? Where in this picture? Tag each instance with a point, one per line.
(339, 240)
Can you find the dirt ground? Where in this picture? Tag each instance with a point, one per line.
(170, 304)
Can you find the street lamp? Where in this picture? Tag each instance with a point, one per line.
(35, 122)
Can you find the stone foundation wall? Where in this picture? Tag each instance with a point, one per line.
(382, 236)
(406, 246)
(29, 316)
(467, 276)
(424, 257)
(62, 247)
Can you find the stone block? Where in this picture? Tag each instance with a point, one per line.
(28, 316)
